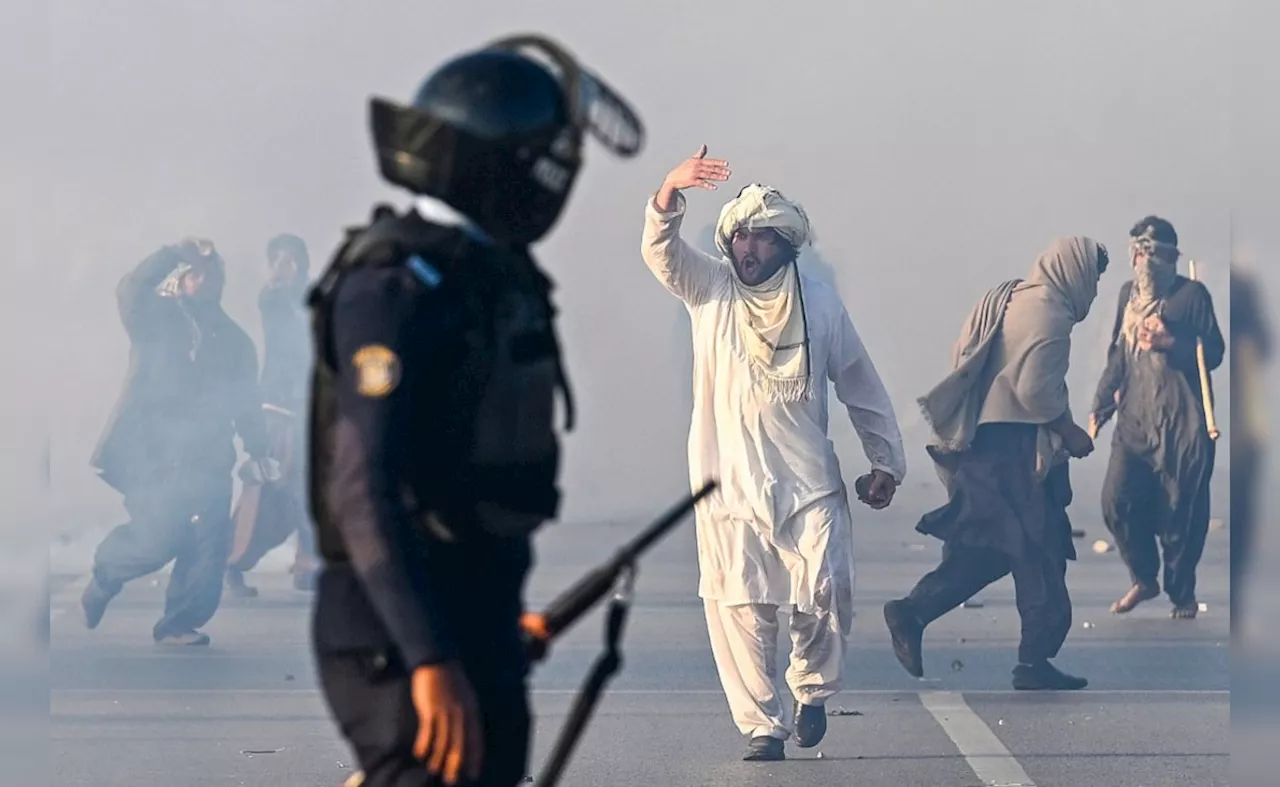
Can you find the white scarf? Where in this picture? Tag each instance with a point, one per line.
(770, 316)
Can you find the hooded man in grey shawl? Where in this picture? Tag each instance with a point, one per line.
(1003, 432)
(1157, 487)
(778, 530)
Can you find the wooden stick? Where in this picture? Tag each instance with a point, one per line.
(1210, 420)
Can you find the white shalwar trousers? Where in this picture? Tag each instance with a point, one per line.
(749, 574)
(744, 643)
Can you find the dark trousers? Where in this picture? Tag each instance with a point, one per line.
(187, 523)
(368, 694)
(1146, 524)
(1040, 585)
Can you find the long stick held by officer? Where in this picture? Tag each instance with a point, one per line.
(434, 448)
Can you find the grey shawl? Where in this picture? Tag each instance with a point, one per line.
(1011, 360)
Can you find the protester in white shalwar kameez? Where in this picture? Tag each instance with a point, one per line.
(778, 532)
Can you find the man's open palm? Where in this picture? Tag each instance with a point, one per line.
(700, 171)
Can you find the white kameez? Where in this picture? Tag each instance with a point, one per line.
(777, 532)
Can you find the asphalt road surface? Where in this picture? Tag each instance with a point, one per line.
(246, 711)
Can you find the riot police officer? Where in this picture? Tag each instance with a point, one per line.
(434, 452)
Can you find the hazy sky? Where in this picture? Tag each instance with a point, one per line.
(937, 147)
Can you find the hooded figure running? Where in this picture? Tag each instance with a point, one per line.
(778, 531)
(169, 447)
(1162, 457)
(1003, 432)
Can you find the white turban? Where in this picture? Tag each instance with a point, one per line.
(760, 207)
(770, 316)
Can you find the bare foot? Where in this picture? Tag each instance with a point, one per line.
(1136, 595)
(1185, 611)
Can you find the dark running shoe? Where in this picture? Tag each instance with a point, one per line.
(765, 749)
(811, 725)
(1043, 676)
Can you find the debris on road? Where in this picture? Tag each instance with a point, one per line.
(256, 752)
(1216, 524)
(957, 665)
(1088, 625)
(843, 712)
(1102, 547)
(1076, 533)
(973, 603)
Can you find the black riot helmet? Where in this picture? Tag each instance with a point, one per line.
(497, 134)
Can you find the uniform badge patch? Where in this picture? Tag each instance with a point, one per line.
(377, 370)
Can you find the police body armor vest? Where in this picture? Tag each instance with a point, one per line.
(494, 464)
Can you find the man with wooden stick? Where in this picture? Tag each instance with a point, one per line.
(1165, 338)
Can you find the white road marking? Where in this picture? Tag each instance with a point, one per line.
(986, 756)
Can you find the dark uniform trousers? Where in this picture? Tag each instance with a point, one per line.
(368, 693)
(1040, 585)
(187, 522)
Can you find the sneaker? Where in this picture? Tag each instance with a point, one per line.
(1043, 676)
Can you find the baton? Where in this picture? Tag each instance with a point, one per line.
(572, 604)
(618, 575)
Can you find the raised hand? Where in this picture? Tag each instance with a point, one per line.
(696, 171)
